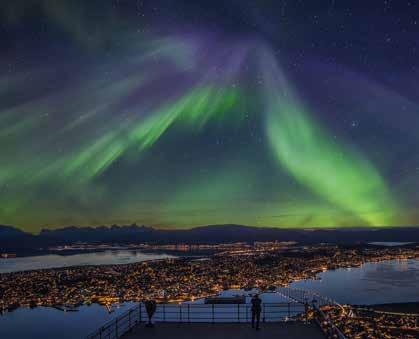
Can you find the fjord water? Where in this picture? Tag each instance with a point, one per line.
(373, 283)
(109, 257)
(392, 281)
(50, 323)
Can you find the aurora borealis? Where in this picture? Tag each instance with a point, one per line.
(192, 114)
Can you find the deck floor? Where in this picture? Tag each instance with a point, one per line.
(225, 331)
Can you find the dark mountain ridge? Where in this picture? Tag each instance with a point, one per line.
(12, 238)
(10, 231)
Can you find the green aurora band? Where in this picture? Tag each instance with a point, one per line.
(315, 158)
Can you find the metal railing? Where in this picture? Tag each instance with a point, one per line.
(217, 313)
(195, 313)
(120, 325)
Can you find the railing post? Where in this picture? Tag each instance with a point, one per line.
(100, 333)
(189, 314)
(129, 319)
(238, 313)
(212, 313)
(289, 314)
(116, 328)
(180, 313)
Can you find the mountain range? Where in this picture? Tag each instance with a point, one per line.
(14, 239)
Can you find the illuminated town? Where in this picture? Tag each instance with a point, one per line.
(355, 322)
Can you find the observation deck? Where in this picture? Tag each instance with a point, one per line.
(284, 314)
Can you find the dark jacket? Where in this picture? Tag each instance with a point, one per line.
(256, 304)
(150, 307)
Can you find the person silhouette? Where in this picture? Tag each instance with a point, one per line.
(150, 307)
(256, 309)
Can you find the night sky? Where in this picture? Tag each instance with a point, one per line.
(184, 113)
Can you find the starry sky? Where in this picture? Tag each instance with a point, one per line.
(184, 113)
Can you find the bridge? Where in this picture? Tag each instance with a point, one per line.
(284, 315)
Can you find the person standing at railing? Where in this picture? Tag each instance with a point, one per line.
(150, 307)
(256, 310)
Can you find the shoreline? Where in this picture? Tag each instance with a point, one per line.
(139, 247)
(172, 255)
(312, 275)
(71, 252)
